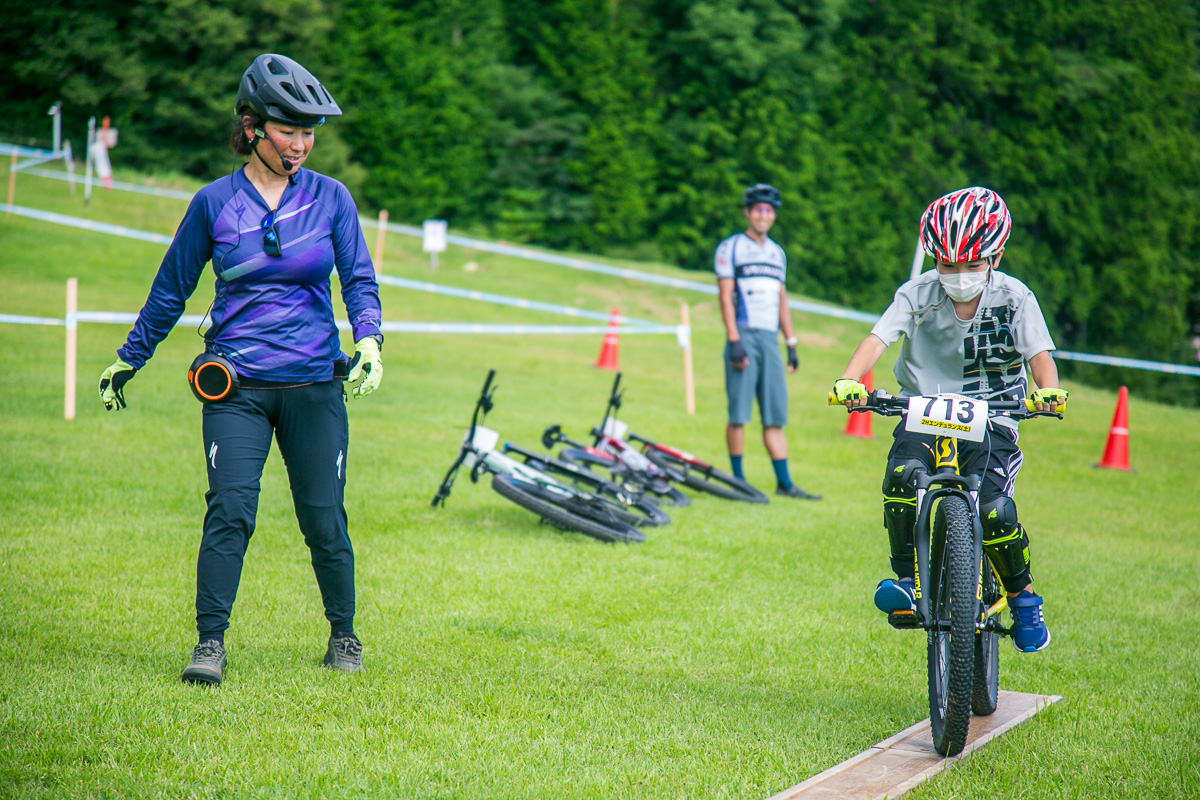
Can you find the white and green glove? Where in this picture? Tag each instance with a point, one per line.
(112, 385)
(366, 369)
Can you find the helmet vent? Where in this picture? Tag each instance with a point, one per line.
(276, 68)
(290, 89)
(312, 91)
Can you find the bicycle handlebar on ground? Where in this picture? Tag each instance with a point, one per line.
(484, 403)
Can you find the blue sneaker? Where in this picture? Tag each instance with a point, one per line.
(1029, 631)
(896, 595)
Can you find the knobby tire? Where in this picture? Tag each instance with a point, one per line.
(986, 691)
(953, 576)
(579, 519)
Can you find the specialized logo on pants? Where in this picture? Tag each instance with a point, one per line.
(212, 455)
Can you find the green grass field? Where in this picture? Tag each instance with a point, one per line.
(732, 655)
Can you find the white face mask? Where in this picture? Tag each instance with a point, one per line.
(964, 286)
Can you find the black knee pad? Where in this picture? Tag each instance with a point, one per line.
(900, 512)
(1005, 541)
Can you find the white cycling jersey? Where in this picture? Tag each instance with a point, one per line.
(758, 272)
(981, 357)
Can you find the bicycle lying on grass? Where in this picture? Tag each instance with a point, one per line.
(612, 443)
(959, 595)
(562, 505)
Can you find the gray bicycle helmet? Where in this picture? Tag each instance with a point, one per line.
(761, 193)
(279, 89)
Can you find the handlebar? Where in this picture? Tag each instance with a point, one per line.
(554, 435)
(484, 404)
(884, 404)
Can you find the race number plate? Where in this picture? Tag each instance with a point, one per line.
(485, 439)
(614, 428)
(948, 415)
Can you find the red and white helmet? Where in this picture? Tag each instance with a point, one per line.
(965, 225)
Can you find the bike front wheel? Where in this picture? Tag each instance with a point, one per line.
(598, 523)
(951, 639)
(712, 480)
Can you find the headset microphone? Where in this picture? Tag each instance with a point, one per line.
(288, 166)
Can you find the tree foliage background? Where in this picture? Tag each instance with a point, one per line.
(629, 128)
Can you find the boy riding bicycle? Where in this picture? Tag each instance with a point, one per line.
(968, 329)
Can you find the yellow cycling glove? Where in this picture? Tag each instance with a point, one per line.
(366, 369)
(846, 389)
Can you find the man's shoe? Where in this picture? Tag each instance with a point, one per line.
(796, 492)
(1029, 631)
(208, 664)
(344, 653)
(893, 595)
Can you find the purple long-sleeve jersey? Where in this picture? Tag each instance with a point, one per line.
(273, 316)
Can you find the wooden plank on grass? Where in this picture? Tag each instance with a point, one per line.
(897, 764)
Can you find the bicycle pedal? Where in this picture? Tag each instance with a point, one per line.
(903, 619)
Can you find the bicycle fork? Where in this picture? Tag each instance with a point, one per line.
(945, 480)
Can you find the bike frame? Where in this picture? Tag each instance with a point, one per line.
(930, 487)
(491, 460)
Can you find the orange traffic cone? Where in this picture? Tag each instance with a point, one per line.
(608, 350)
(859, 423)
(1116, 451)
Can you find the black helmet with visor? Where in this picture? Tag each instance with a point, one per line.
(278, 89)
(761, 193)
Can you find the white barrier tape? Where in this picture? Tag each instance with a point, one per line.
(620, 272)
(23, 320)
(31, 152)
(33, 162)
(499, 299)
(1134, 363)
(121, 185)
(89, 225)
(521, 252)
(491, 329)
(193, 320)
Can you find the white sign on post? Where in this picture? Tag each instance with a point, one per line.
(435, 239)
(949, 415)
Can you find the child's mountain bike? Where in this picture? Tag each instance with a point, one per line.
(562, 505)
(959, 595)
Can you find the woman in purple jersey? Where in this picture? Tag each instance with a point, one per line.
(274, 232)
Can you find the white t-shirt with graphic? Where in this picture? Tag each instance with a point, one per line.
(982, 357)
(758, 272)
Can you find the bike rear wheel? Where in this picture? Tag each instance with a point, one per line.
(581, 517)
(712, 481)
(987, 650)
(954, 609)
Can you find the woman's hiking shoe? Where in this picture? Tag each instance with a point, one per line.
(344, 653)
(208, 664)
(1029, 631)
(893, 595)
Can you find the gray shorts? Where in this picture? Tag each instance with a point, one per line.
(763, 377)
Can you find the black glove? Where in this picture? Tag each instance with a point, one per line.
(737, 354)
(793, 359)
